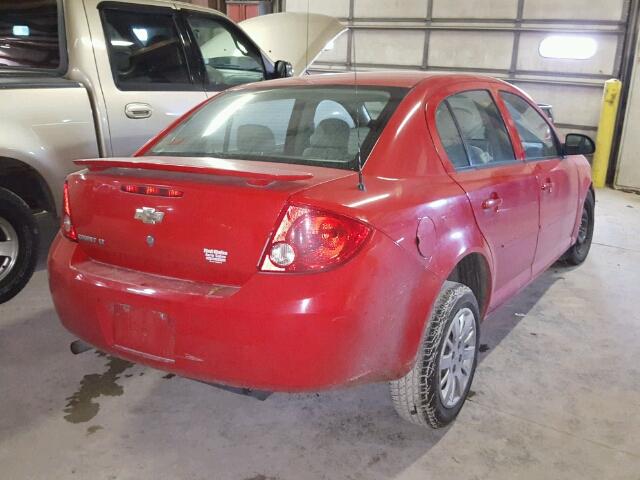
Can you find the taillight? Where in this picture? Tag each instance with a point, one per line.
(309, 240)
(68, 230)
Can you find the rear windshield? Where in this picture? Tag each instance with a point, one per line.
(29, 35)
(303, 125)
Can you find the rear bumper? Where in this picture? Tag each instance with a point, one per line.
(358, 323)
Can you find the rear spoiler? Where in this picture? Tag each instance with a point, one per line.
(254, 172)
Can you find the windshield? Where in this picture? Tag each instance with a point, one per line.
(303, 125)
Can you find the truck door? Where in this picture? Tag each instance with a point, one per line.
(146, 74)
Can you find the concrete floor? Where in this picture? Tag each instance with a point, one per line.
(556, 395)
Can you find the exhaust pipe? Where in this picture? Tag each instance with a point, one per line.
(78, 346)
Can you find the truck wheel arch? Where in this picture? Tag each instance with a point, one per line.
(26, 182)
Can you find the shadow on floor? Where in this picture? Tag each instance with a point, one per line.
(498, 324)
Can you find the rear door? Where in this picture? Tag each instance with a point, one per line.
(145, 68)
(502, 190)
(557, 179)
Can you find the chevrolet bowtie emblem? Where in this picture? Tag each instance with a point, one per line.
(148, 215)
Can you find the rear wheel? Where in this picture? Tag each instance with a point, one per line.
(19, 238)
(579, 250)
(434, 390)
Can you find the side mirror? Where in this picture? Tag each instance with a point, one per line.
(283, 69)
(577, 144)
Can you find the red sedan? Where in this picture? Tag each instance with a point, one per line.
(309, 233)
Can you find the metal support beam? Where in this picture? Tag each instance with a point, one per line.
(427, 36)
(516, 40)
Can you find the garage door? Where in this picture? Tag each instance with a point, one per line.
(510, 39)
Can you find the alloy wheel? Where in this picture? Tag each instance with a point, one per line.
(9, 248)
(457, 358)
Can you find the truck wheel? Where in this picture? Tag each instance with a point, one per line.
(434, 390)
(579, 250)
(19, 238)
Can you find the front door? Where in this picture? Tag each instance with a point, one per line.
(145, 72)
(502, 190)
(557, 179)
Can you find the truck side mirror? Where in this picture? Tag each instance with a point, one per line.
(578, 144)
(283, 69)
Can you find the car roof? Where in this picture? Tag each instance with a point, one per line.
(403, 79)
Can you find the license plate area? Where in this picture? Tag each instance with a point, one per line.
(147, 332)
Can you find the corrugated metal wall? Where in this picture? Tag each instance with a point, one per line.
(495, 37)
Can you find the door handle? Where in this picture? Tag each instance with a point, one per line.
(492, 203)
(547, 186)
(138, 110)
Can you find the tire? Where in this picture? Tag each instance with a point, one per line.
(417, 397)
(19, 240)
(580, 250)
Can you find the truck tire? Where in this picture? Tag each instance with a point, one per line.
(578, 252)
(19, 239)
(434, 390)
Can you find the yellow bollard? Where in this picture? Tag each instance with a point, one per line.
(606, 126)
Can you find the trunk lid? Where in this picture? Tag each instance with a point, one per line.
(214, 232)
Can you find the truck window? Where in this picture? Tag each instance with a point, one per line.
(29, 36)
(145, 50)
(230, 58)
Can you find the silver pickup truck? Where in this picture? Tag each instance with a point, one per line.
(98, 78)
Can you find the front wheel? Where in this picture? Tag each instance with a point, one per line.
(434, 390)
(18, 244)
(579, 250)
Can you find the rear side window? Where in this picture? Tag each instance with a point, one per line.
(145, 50)
(29, 35)
(450, 137)
(538, 140)
(481, 127)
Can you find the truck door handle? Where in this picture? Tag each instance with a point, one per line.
(138, 110)
(547, 186)
(492, 203)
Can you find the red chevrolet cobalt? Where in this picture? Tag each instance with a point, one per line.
(309, 233)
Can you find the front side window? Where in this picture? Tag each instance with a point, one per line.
(145, 50)
(310, 126)
(481, 127)
(29, 35)
(538, 140)
(229, 58)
